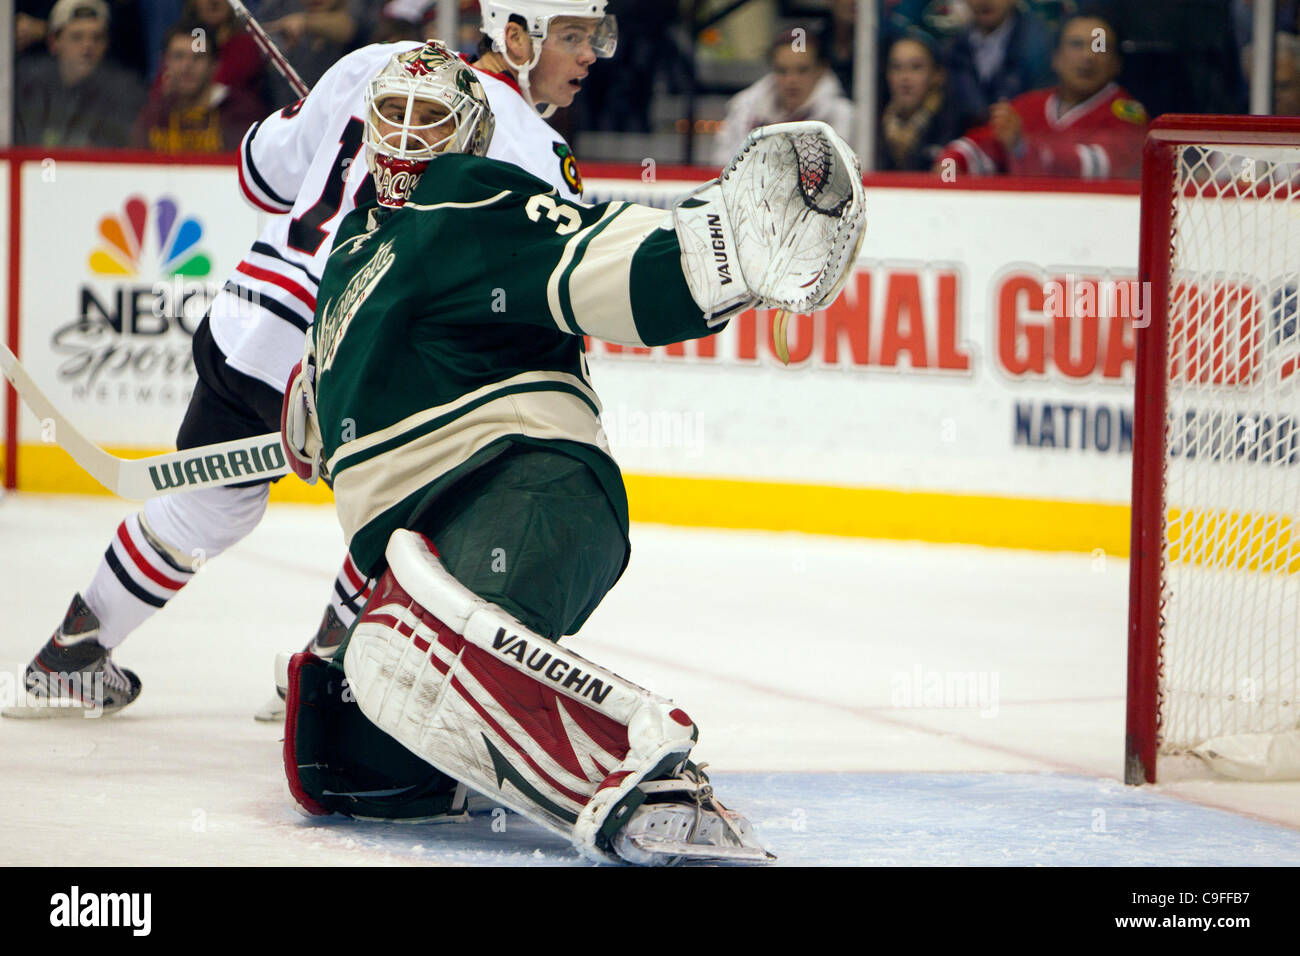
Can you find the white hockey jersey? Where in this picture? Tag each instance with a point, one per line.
(305, 163)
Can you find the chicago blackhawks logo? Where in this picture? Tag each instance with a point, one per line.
(396, 179)
(1130, 111)
(568, 167)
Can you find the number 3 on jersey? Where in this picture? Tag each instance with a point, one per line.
(305, 232)
(565, 217)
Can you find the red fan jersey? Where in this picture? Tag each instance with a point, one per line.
(1100, 138)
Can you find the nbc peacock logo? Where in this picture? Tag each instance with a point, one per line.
(148, 283)
(136, 243)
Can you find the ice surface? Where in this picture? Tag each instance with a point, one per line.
(862, 702)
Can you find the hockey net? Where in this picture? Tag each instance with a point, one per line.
(1214, 630)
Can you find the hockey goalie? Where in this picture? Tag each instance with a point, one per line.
(446, 398)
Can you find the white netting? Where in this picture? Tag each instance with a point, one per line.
(1231, 578)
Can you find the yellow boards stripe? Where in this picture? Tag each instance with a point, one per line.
(881, 513)
(1233, 541)
(1035, 524)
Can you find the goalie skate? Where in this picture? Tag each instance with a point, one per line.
(694, 827)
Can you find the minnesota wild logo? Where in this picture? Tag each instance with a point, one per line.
(568, 167)
(426, 59)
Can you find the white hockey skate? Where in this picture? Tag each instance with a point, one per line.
(328, 637)
(681, 821)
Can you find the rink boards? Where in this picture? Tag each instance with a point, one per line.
(973, 384)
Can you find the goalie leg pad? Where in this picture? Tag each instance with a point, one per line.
(551, 735)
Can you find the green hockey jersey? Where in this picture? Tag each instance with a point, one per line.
(453, 325)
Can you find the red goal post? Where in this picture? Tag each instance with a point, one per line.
(1214, 589)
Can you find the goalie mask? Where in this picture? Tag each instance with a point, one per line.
(423, 102)
(537, 16)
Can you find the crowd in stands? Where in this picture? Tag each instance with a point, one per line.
(985, 87)
(172, 76)
(976, 87)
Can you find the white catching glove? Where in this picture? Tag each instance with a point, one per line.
(299, 426)
(779, 229)
(710, 260)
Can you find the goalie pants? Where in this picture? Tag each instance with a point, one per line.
(531, 531)
(156, 552)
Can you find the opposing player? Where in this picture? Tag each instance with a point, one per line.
(301, 164)
(446, 396)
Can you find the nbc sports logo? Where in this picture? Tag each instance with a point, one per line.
(138, 243)
(148, 282)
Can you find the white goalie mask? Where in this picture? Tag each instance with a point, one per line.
(537, 16)
(423, 102)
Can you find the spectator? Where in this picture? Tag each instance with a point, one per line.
(1005, 51)
(393, 21)
(1086, 127)
(31, 28)
(470, 18)
(312, 35)
(1286, 73)
(239, 64)
(74, 98)
(1180, 56)
(800, 87)
(397, 20)
(189, 113)
(895, 19)
(919, 119)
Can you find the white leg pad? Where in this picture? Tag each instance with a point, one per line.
(458, 681)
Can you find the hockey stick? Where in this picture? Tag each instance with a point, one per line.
(781, 335)
(271, 51)
(209, 466)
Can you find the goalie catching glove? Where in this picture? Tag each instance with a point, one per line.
(554, 737)
(779, 229)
